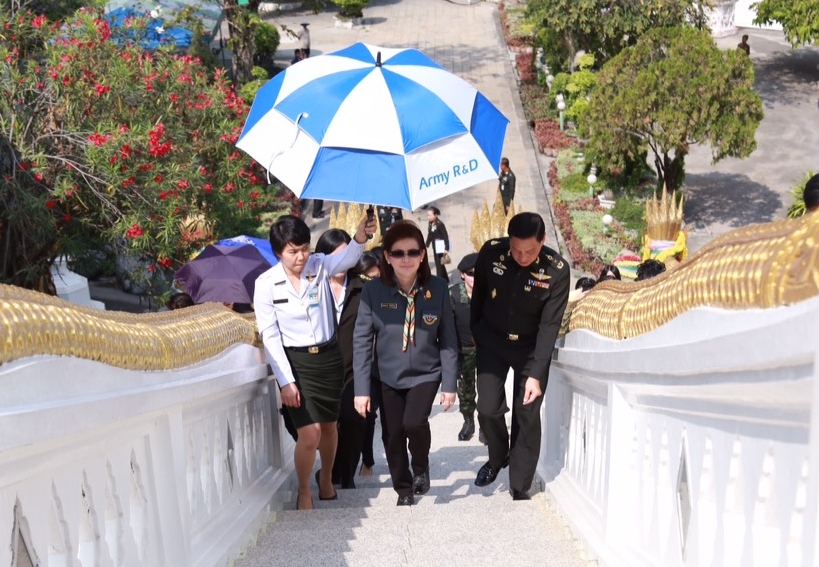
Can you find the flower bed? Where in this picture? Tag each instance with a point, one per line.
(551, 139)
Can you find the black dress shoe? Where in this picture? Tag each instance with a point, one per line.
(407, 500)
(487, 475)
(420, 483)
(519, 494)
(468, 429)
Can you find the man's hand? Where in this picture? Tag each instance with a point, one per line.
(447, 400)
(531, 391)
(291, 396)
(362, 405)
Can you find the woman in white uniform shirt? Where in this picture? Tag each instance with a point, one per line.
(295, 317)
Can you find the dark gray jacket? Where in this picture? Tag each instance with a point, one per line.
(433, 357)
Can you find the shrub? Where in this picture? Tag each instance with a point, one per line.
(267, 41)
(351, 8)
(536, 102)
(575, 183)
(797, 209)
(526, 70)
(551, 138)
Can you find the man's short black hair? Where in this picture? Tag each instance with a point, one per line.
(585, 283)
(527, 225)
(288, 230)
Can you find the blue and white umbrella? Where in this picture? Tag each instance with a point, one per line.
(375, 125)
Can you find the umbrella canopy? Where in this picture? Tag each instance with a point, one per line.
(225, 274)
(261, 245)
(375, 125)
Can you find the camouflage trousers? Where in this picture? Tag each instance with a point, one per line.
(466, 380)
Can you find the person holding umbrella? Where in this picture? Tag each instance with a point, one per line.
(294, 313)
(407, 316)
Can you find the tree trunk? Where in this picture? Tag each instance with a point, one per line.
(670, 172)
(242, 28)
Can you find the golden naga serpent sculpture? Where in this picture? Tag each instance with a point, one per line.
(33, 323)
(757, 266)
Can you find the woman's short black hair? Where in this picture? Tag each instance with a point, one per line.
(435, 210)
(288, 229)
(332, 239)
(609, 272)
(401, 230)
(649, 268)
(527, 225)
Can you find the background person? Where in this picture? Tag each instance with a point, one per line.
(346, 290)
(460, 295)
(294, 313)
(648, 269)
(406, 313)
(506, 184)
(609, 272)
(811, 194)
(304, 40)
(438, 238)
(520, 292)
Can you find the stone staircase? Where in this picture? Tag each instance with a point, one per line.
(454, 524)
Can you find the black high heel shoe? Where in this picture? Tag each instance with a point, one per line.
(335, 493)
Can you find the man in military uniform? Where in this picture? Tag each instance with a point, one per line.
(460, 295)
(506, 184)
(520, 292)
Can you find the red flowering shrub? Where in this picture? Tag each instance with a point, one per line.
(526, 69)
(100, 138)
(550, 138)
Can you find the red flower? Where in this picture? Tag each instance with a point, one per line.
(38, 176)
(240, 204)
(183, 184)
(50, 204)
(208, 187)
(39, 21)
(158, 178)
(165, 262)
(134, 231)
(101, 89)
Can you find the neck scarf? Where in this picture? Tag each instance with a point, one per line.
(409, 318)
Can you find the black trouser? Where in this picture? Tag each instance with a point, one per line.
(407, 414)
(523, 449)
(318, 207)
(352, 429)
(440, 269)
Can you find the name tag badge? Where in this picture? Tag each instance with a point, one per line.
(389, 306)
(313, 298)
(277, 301)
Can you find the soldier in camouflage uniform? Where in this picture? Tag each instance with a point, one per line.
(460, 295)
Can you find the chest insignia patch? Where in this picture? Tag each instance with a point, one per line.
(494, 242)
(428, 294)
(527, 288)
(540, 276)
(559, 265)
(538, 283)
(389, 306)
(494, 293)
(497, 271)
(430, 318)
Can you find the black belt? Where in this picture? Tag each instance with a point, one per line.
(315, 349)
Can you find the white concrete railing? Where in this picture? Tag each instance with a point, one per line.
(693, 444)
(101, 466)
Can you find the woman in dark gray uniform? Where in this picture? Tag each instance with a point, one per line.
(407, 314)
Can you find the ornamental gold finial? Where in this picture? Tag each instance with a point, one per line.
(347, 219)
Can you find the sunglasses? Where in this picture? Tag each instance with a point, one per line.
(470, 273)
(413, 253)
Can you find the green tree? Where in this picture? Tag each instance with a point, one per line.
(799, 18)
(674, 88)
(52, 9)
(604, 27)
(99, 138)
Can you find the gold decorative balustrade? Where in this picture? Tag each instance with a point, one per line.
(758, 266)
(33, 323)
